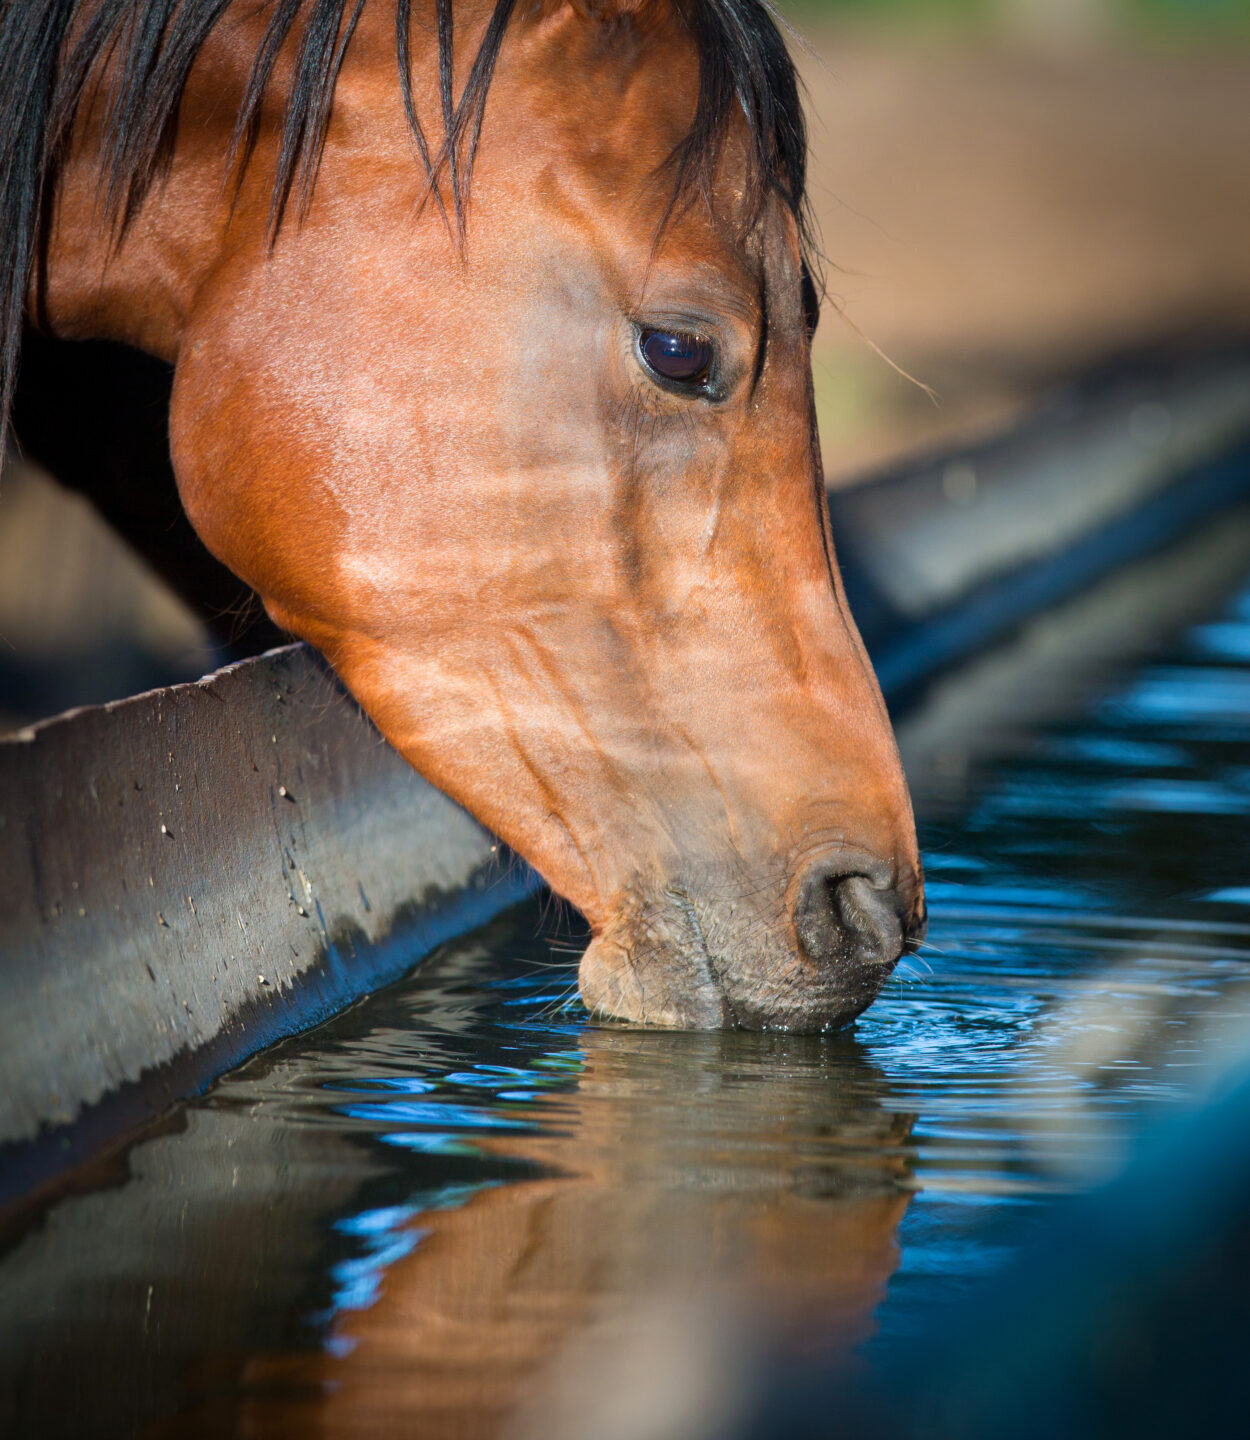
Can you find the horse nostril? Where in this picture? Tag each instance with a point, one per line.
(848, 918)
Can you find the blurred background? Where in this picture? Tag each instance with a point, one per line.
(1010, 193)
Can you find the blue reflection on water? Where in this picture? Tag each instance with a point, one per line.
(437, 1112)
(1118, 751)
(1189, 696)
(1227, 640)
(1077, 795)
(438, 1127)
(1007, 891)
(386, 1235)
(1132, 996)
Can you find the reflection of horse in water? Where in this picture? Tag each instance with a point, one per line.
(703, 1168)
(760, 1177)
(535, 469)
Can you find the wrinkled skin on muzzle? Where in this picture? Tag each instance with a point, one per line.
(600, 611)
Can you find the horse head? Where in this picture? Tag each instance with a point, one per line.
(536, 468)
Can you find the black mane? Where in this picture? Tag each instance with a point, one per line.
(51, 49)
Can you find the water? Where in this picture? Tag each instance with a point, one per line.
(461, 1206)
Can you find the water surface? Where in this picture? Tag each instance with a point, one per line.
(461, 1207)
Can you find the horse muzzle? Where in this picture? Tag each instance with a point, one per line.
(711, 956)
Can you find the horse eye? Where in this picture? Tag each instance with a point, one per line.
(673, 355)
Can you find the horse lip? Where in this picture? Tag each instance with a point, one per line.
(684, 981)
(699, 1004)
(714, 979)
(705, 1002)
(825, 1016)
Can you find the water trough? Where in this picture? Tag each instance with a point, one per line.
(190, 874)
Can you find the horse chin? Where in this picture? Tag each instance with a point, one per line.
(679, 989)
(682, 996)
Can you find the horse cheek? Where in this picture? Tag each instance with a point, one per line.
(238, 466)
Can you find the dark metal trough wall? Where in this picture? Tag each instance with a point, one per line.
(188, 875)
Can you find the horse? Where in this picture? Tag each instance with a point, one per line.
(488, 331)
